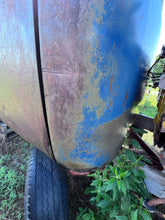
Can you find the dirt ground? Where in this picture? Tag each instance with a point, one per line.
(20, 151)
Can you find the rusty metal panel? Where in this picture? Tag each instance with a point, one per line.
(93, 56)
(20, 99)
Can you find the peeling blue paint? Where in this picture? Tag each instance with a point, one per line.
(117, 52)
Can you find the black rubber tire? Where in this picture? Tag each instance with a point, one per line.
(45, 189)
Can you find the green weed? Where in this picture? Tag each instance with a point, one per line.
(118, 191)
(10, 183)
(12, 180)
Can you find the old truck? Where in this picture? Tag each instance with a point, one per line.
(70, 71)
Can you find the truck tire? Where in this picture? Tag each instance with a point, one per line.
(45, 189)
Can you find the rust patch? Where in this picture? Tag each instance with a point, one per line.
(110, 85)
(70, 80)
(20, 106)
(47, 144)
(111, 93)
(62, 95)
(126, 96)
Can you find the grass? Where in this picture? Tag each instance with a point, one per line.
(148, 105)
(13, 164)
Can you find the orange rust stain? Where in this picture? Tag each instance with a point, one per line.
(111, 105)
(126, 96)
(110, 85)
(110, 93)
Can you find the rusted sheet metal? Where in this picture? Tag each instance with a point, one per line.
(92, 63)
(20, 100)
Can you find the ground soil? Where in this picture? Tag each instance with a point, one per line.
(19, 149)
(77, 198)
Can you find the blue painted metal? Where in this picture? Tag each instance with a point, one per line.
(93, 57)
(94, 54)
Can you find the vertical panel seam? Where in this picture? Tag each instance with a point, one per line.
(39, 66)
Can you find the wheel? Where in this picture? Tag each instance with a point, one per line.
(45, 189)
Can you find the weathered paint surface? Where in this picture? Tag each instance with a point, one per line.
(20, 100)
(93, 56)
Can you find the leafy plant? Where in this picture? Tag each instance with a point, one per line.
(118, 191)
(10, 183)
(12, 180)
